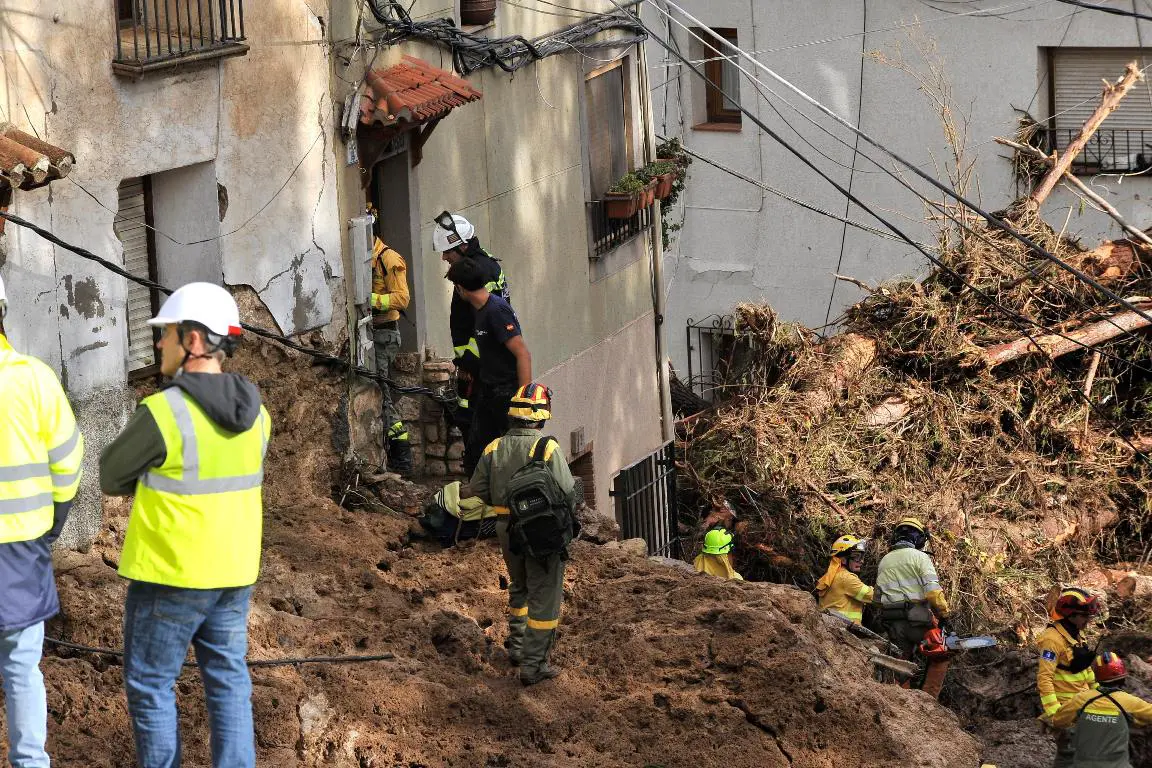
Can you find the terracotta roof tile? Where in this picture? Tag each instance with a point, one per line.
(26, 162)
(412, 91)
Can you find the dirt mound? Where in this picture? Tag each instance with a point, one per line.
(661, 667)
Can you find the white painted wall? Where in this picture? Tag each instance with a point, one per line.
(740, 243)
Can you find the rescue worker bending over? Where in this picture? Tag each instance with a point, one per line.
(715, 558)
(504, 362)
(454, 238)
(533, 536)
(840, 589)
(911, 600)
(1102, 717)
(389, 297)
(41, 451)
(1065, 664)
(193, 456)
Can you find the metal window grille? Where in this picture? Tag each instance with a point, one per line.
(710, 344)
(609, 234)
(1108, 151)
(160, 34)
(645, 496)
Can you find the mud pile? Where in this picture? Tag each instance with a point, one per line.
(661, 667)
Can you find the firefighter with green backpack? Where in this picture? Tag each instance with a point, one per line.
(525, 477)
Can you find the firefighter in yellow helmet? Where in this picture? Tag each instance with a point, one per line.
(41, 451)
(840, 589)
(1064, 668)
(192, 455)
(389, 298)
(911, 600)
(526, 478)
(715, 558)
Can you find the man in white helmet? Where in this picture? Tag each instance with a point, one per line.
(193, 456)
(41, 451)
(454, 238)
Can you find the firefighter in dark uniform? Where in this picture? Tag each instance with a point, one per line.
(454, 238)
(536, 585)
(389, 297)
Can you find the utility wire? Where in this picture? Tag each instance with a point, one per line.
(262, 332)
(1018, 320)
(995, 221)
(251, 663)
(1107, 9)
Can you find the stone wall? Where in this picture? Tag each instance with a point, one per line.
(443, 449)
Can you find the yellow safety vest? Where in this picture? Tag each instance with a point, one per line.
(41, 449)
(197, 518)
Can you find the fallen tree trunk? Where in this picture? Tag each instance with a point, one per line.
(849, 355)
(1056, 345)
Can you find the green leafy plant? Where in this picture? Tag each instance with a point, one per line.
(671, 151)
(628, 184)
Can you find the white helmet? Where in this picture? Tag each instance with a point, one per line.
(444, 239)
(3, 300)
(205, 303)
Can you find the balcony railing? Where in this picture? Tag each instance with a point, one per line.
(164, 34)
(1107, 151)
(609, 234)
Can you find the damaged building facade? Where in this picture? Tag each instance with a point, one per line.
(238, 143)
(204, 150)
(877, 64)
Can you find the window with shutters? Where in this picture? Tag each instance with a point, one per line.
(134, 228)
(1124, 143)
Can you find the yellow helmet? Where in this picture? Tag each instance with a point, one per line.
(912, 522)
(847, 544)
(531, 403)
(718, 541)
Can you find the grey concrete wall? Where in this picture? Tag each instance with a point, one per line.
(186, 208)
(740, 243)
(263, 121)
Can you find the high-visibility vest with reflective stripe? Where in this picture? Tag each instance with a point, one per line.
(41, 448)
(197, 518)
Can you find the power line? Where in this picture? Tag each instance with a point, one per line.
(995, 221)
(1013, 317)
(1107, 9)
(262, 332)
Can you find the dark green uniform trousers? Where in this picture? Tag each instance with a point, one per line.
(535, 591)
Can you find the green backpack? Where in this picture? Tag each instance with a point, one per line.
(541, 521)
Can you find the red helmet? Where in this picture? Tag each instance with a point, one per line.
(1074, 601)
(1109, 668)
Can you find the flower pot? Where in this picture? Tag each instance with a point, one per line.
(621, 205)
(650, 193)
(476, 13)
(664, 184)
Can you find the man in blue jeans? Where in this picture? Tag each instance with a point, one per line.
(40, 454)
(193, 455)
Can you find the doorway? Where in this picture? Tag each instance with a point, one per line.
(393, 193)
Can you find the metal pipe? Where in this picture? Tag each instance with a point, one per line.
(188, 16)
(232, 17)
(179, 33)
(212, 22)
(147, 40)
(200, 19)
(242, 35)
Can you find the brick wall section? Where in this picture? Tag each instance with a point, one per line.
(443, 449)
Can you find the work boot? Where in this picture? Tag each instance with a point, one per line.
(545, 673)
(400, 456)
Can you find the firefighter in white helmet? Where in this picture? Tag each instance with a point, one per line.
(454, 238)
(41, 451)
(193, 456)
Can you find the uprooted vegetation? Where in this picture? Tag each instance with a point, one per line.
(932, 402)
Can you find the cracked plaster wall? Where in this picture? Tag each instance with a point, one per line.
(252, 119)
(789, 255)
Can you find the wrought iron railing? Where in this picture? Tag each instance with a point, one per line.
(161, 34)
(710, 345)
(645, 496)
(1107, 151)
(609, 234)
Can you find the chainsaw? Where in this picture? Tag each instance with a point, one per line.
(956, 643)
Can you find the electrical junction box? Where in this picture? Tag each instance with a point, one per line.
(360, 240)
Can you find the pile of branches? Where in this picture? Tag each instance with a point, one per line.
(1025, 452)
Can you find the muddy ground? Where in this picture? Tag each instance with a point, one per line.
(660, 667)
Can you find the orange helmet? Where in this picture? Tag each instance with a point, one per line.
(1074, 601)
(532, 402)
(1109, 668)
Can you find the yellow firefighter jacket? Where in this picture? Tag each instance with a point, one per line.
(389, 283)
(716, 565)
(846, 596)
(1055, 679)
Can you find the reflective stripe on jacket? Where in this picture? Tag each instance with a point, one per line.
(197, 518)
(389, 282)
(1102, 720)
(1056, 685)
(41, 448)
(847, 596)
(908, 575)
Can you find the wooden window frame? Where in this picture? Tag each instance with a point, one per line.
(626, 90)
(153, 274)
(717, 113)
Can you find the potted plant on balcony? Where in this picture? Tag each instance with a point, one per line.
(625, 197)
(665, 173)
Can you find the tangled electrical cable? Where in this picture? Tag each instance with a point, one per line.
(471, 52)
(447, 400)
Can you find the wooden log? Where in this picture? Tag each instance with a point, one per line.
(849, 356)
(889, 412)
(1113, 94)
(1053, 345)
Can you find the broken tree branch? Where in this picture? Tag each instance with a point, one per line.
(1083, 188)
(1113, 93)
(1056, 345)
